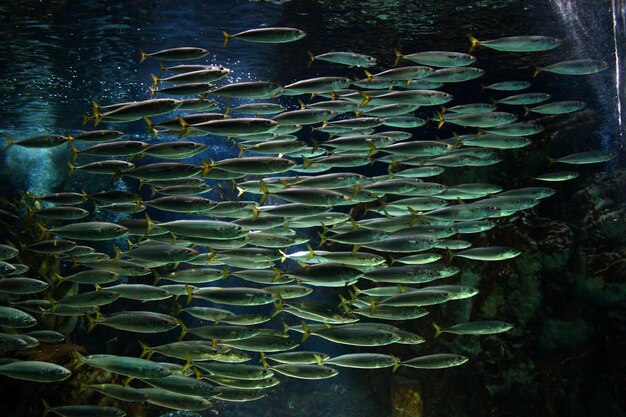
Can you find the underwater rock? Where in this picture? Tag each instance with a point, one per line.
(406, 399)
(600, 209)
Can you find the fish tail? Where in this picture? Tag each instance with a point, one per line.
(264, 190)
(150, 124)
(369, 75)
(551, 161)
(225, 272)
(311, 58)
(255, 212)
(144, 55)
(366, 99)
(242, 150)
(161, 68)
(72, 168)
(526, 110)
(79, 360)
(277, 273)
(396, 363)
(399, 56)
(46, 407)
(441, 120)
(311, 252)
(458, 142)
(482, 88)
(60, 279)
(74, 153)
(240, 190)
(10, 141)
(85, 119)
(373, 151)
(437, 330)
(189, 293)
(92, 320)
(149, 225)
(95, 110)
(155, 80)
(537, 70)
(306, 333)
(146, 351)
(316, 144)
(227, 37)
(183, 330)
(318, 359)
(475, 42)
(344, 303)
(263, 361)
(207, 167)
(153, 90)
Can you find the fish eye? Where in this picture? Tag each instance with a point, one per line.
(268, 123)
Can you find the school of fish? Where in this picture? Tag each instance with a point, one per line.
(295, 213)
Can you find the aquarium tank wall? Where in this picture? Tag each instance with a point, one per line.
(312, 208)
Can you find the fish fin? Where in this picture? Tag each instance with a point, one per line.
(399, 56)
(311, 58)
(475, 42)
(437, 330)
(144, 55)
(127, 381)
(227, 37)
